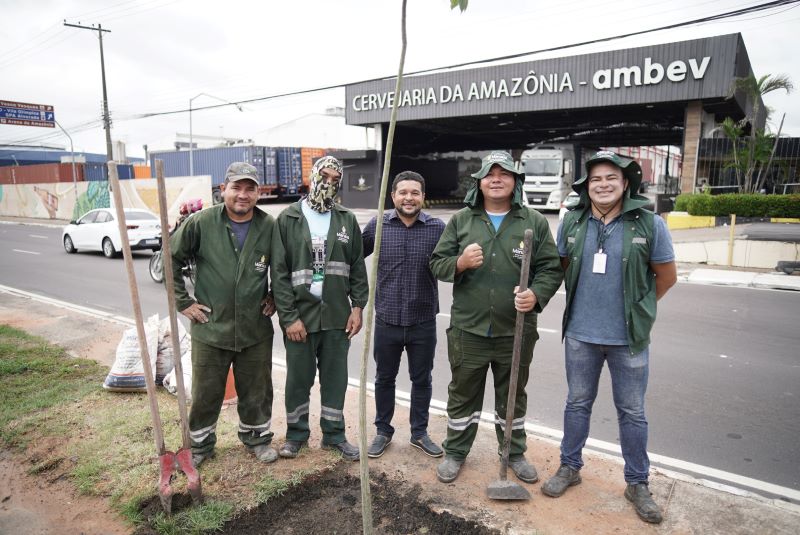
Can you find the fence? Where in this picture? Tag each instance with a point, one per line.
(716, 154)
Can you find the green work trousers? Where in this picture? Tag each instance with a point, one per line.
(326, 351)
(252, 373)
(470, 357)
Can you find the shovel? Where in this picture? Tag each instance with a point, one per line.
(167, 460)
(503, 489)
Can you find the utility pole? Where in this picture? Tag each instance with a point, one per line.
(106, 118)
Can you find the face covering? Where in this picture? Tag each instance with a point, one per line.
(321, 194)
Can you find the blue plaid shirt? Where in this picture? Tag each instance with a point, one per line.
(406, 292)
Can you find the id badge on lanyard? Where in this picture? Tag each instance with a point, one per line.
(599, 265)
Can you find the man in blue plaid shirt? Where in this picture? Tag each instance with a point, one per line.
(406, 304)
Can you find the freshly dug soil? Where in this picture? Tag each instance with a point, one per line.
(329, 503)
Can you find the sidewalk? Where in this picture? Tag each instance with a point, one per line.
(596, 506)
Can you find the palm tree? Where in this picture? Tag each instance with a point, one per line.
(754, 89)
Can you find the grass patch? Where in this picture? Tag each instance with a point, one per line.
(35, 376)
(206, 518)
(103, 441)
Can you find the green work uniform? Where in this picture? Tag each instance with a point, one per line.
(233, 284)
(482, 319)
(326, 346)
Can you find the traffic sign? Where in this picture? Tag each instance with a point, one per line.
(26, 114)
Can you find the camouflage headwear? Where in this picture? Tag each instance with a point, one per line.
(241, 171)
(321, 194)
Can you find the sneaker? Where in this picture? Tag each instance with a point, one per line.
(523, 469)
(428, 446)
(378, 446)
(290, 449)
(557, 485)
(348, 451)
(200, 458)
(448, 470)
(641, 498)
(264, 453)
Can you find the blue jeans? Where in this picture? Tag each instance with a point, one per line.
(584, 362)
(419, 341)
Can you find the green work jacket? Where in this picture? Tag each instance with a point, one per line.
(483, 298)
(638, 279)
(232, 283)
(345, 279)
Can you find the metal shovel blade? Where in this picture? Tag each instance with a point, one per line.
(507, 490)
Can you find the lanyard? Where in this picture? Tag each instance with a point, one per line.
(604, 231)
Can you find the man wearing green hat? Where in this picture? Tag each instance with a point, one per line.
(619, 261)
(480, 252)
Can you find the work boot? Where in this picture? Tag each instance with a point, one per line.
(290, 449)
(641, 498)
(523, 469)
(448, 470)
(200, 458)
(378, 446)
(428, 446)
(348, 451)
(264, 453)
(558, 484)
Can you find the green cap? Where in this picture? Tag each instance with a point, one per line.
(241, 171)
(497, 157)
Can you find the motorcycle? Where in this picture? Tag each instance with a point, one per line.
(157, 262)
(157, 269)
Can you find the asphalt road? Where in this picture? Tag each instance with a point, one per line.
(724, 366)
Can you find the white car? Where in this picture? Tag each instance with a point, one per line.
(569, 202)
(97, 230)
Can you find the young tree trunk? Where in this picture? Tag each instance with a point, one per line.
(366, 499)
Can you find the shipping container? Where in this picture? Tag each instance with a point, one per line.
(290, 170)
(176, 163)
(46, 173)
(214, 161)
(141, 171)
(95, 172)
(308, 156)
(271, 169)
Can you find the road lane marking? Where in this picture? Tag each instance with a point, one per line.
(24, 251)
(38, 236)
(598, 447)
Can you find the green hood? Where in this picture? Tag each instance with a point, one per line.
(630, 170)
(474, 197)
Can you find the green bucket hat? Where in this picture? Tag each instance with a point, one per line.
(630, 170)
(474, 197)
(497, 157)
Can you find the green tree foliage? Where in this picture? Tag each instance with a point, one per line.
(751, 153)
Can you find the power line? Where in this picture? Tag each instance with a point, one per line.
(702, 20)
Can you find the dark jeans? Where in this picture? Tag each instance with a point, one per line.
(419, 342)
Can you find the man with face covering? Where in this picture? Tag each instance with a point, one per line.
(481, 253)
(320, 285)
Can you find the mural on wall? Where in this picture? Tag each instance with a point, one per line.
(62, 201)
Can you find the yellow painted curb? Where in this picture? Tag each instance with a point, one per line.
(682, 220)
(784, 220)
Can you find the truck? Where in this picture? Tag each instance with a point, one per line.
(549, 174)
(214, 162)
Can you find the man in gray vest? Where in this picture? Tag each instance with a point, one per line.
(618, 262)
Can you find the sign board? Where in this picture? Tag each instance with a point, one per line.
(25, 114)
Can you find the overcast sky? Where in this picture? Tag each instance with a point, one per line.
(162, 53)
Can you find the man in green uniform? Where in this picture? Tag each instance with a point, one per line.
(320, 284)
(481, 253)
(231, 244)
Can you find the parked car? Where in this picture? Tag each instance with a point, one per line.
(97, 230)
(569, 202)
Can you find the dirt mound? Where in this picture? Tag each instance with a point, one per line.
(330, 502)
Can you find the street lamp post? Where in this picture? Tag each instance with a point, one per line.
(191, 140)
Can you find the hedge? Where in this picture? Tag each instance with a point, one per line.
(741, 204)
